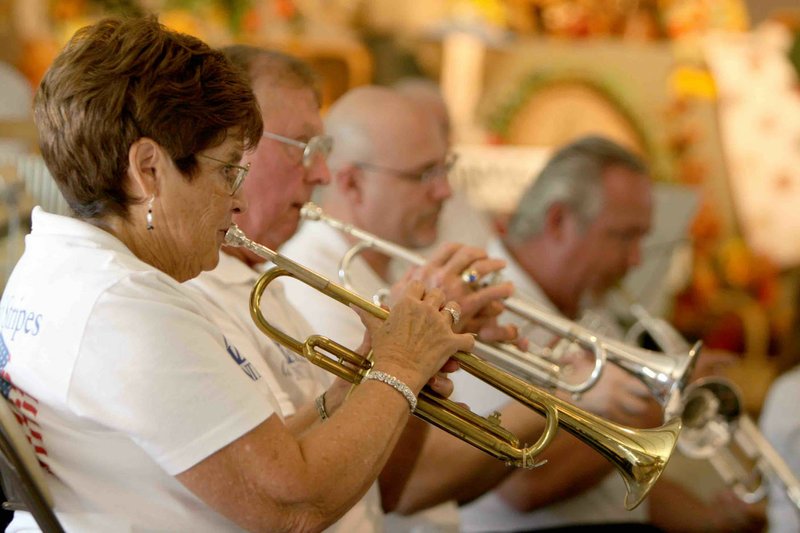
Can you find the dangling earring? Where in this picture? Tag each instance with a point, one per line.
(150, 214)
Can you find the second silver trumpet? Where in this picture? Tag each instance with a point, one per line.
(665, 375)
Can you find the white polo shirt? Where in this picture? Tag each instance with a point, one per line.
(225, 292)
(320, 247)
(123, 381)
(781, 426)
(293, 379)
(602, 503)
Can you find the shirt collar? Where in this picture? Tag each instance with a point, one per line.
(44, 224)
(231, 270)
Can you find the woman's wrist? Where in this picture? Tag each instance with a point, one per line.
(413, 378)
(396, 383)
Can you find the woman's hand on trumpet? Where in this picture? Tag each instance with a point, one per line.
(416, 340)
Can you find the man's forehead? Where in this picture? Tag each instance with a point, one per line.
(413, 147)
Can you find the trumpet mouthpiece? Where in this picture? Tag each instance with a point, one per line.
(311, 211)
(235, 237)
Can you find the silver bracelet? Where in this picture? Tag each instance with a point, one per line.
(320, 404)
(396, 384)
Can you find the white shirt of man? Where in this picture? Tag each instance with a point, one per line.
(292, 378)
(122, 380)
(600, 504)
(781, 427)
(320, 248)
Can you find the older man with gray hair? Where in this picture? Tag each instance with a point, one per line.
(576, 232)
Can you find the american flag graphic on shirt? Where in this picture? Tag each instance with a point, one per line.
(24, 406)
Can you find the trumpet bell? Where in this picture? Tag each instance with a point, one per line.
(709, 410)
(651, 449)
(717, 428)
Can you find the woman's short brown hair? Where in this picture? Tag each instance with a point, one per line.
(119, 80)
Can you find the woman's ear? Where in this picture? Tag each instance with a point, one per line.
(145, 158)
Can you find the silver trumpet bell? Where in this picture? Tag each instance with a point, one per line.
(717, 428)
(664, 374)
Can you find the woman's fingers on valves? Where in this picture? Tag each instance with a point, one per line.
(370, 321)
(449, 366)
(414, 289)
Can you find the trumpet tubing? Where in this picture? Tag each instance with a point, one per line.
(665, 375)
(639, 455)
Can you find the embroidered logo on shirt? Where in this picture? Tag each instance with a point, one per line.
(242, 361)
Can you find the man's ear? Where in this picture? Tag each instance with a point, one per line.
(145, 161)
(349, 182)
(556, 220)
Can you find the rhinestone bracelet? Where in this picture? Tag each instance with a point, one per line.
(396, 384)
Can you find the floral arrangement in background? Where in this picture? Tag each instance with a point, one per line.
(636, 19)
(684, 18)
(733, 298)
(732, 301)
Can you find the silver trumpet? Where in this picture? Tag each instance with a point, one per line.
(663, 334)
(716, 428)
(665, 375)
(533, 367)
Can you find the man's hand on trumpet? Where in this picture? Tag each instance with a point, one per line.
(480, 304)
(621, 397)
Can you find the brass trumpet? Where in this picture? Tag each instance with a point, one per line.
(664, 374)
(640, 455)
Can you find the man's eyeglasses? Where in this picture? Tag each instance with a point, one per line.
(318, 144)
(234, 174)
(428, 175)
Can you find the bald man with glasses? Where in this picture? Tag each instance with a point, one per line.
(389, 164)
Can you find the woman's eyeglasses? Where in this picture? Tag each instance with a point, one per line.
(318, 144)
(234, 174)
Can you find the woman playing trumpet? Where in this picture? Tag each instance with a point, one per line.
(146, 416)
